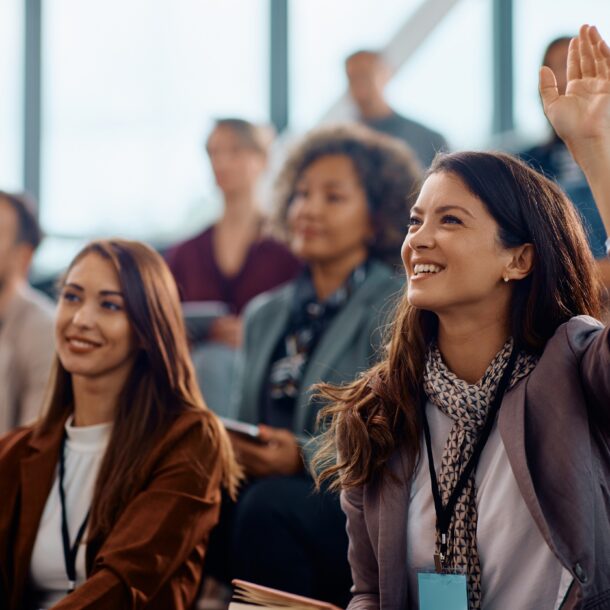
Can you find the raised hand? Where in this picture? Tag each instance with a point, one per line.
(583, 113)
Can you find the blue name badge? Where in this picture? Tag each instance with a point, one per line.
(442, 591)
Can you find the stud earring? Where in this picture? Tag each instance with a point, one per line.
(506, 279)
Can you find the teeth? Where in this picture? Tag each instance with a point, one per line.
(426, 269)
(79, 343)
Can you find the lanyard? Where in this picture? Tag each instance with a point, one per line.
(444, 513)
(70, 552)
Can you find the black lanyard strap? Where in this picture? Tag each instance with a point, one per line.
(444, 513)
(70, 552)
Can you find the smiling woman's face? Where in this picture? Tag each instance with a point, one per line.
(328, 217)
(93, 333)
(452, 251)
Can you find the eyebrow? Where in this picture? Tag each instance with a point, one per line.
(445, 208)
(104, 293)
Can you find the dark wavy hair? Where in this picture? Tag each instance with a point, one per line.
(370, 417)
(388, 171)
(161, 386)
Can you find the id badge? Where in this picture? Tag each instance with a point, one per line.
(442, 591)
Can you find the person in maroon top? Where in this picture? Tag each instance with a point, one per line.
(233, 260)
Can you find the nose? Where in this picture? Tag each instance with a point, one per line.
(420, 237)
(309, 206)
(84, 316)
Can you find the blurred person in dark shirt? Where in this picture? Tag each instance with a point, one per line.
(368, 74)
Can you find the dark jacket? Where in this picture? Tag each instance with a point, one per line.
(152, 558)
(555, 428)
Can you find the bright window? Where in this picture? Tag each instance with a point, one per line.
(536, 24)
(11, 85)
(447, 84)
(322, 34)
(130, 89)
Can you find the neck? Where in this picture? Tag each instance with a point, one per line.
(328, 276)
(240, 208)
(468, 343)
(375, 109)
(8, 288)
(94, 401)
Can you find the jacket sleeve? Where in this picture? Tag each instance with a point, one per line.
(362, 559)
(590, 343)
(157, 531)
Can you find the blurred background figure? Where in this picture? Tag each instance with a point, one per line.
(233, 260)
(367, 75)
(26, 317)
(343, 198)
(553, 159)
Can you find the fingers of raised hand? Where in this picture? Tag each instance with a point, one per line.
(586, 52)
(601, 54)
(573, 68)
(548, 86)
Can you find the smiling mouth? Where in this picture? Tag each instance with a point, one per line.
(427, 269)
(81, 343)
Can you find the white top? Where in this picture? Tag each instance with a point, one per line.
(518, 568)
(84, 450)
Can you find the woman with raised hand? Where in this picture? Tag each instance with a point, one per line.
(343, 195)
(474, 459)
(108, 501)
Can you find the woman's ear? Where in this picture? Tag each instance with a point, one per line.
(521, 263)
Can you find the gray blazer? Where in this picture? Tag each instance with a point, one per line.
(347, 347)
(27, 346)
(555, 428)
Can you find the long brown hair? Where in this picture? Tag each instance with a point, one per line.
(369, 418)
(162, 384)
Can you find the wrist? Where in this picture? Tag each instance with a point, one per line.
(591, 154)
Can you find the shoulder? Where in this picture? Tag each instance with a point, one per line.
(382, 284)
(575, 335)
(415, 126)
(36, 305)
(189, 246)
(15, 444)
(267, 304)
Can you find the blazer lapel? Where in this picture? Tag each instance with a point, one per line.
(274, 325)
(334, 342)
(37, 473)
(393, 500)
(511, 423)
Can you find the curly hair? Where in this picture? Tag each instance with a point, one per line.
(389, 174)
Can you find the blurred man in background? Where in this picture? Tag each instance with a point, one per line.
(26, 317)
(367, 75)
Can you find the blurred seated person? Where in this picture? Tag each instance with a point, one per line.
(368, 74)
(109, 498)
(553, 159)
(26, 317)
(233, 260)
(344, 194)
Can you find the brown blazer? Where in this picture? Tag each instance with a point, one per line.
(555, 428)
(153, 556)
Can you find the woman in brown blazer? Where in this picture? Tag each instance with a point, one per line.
(108, 500)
